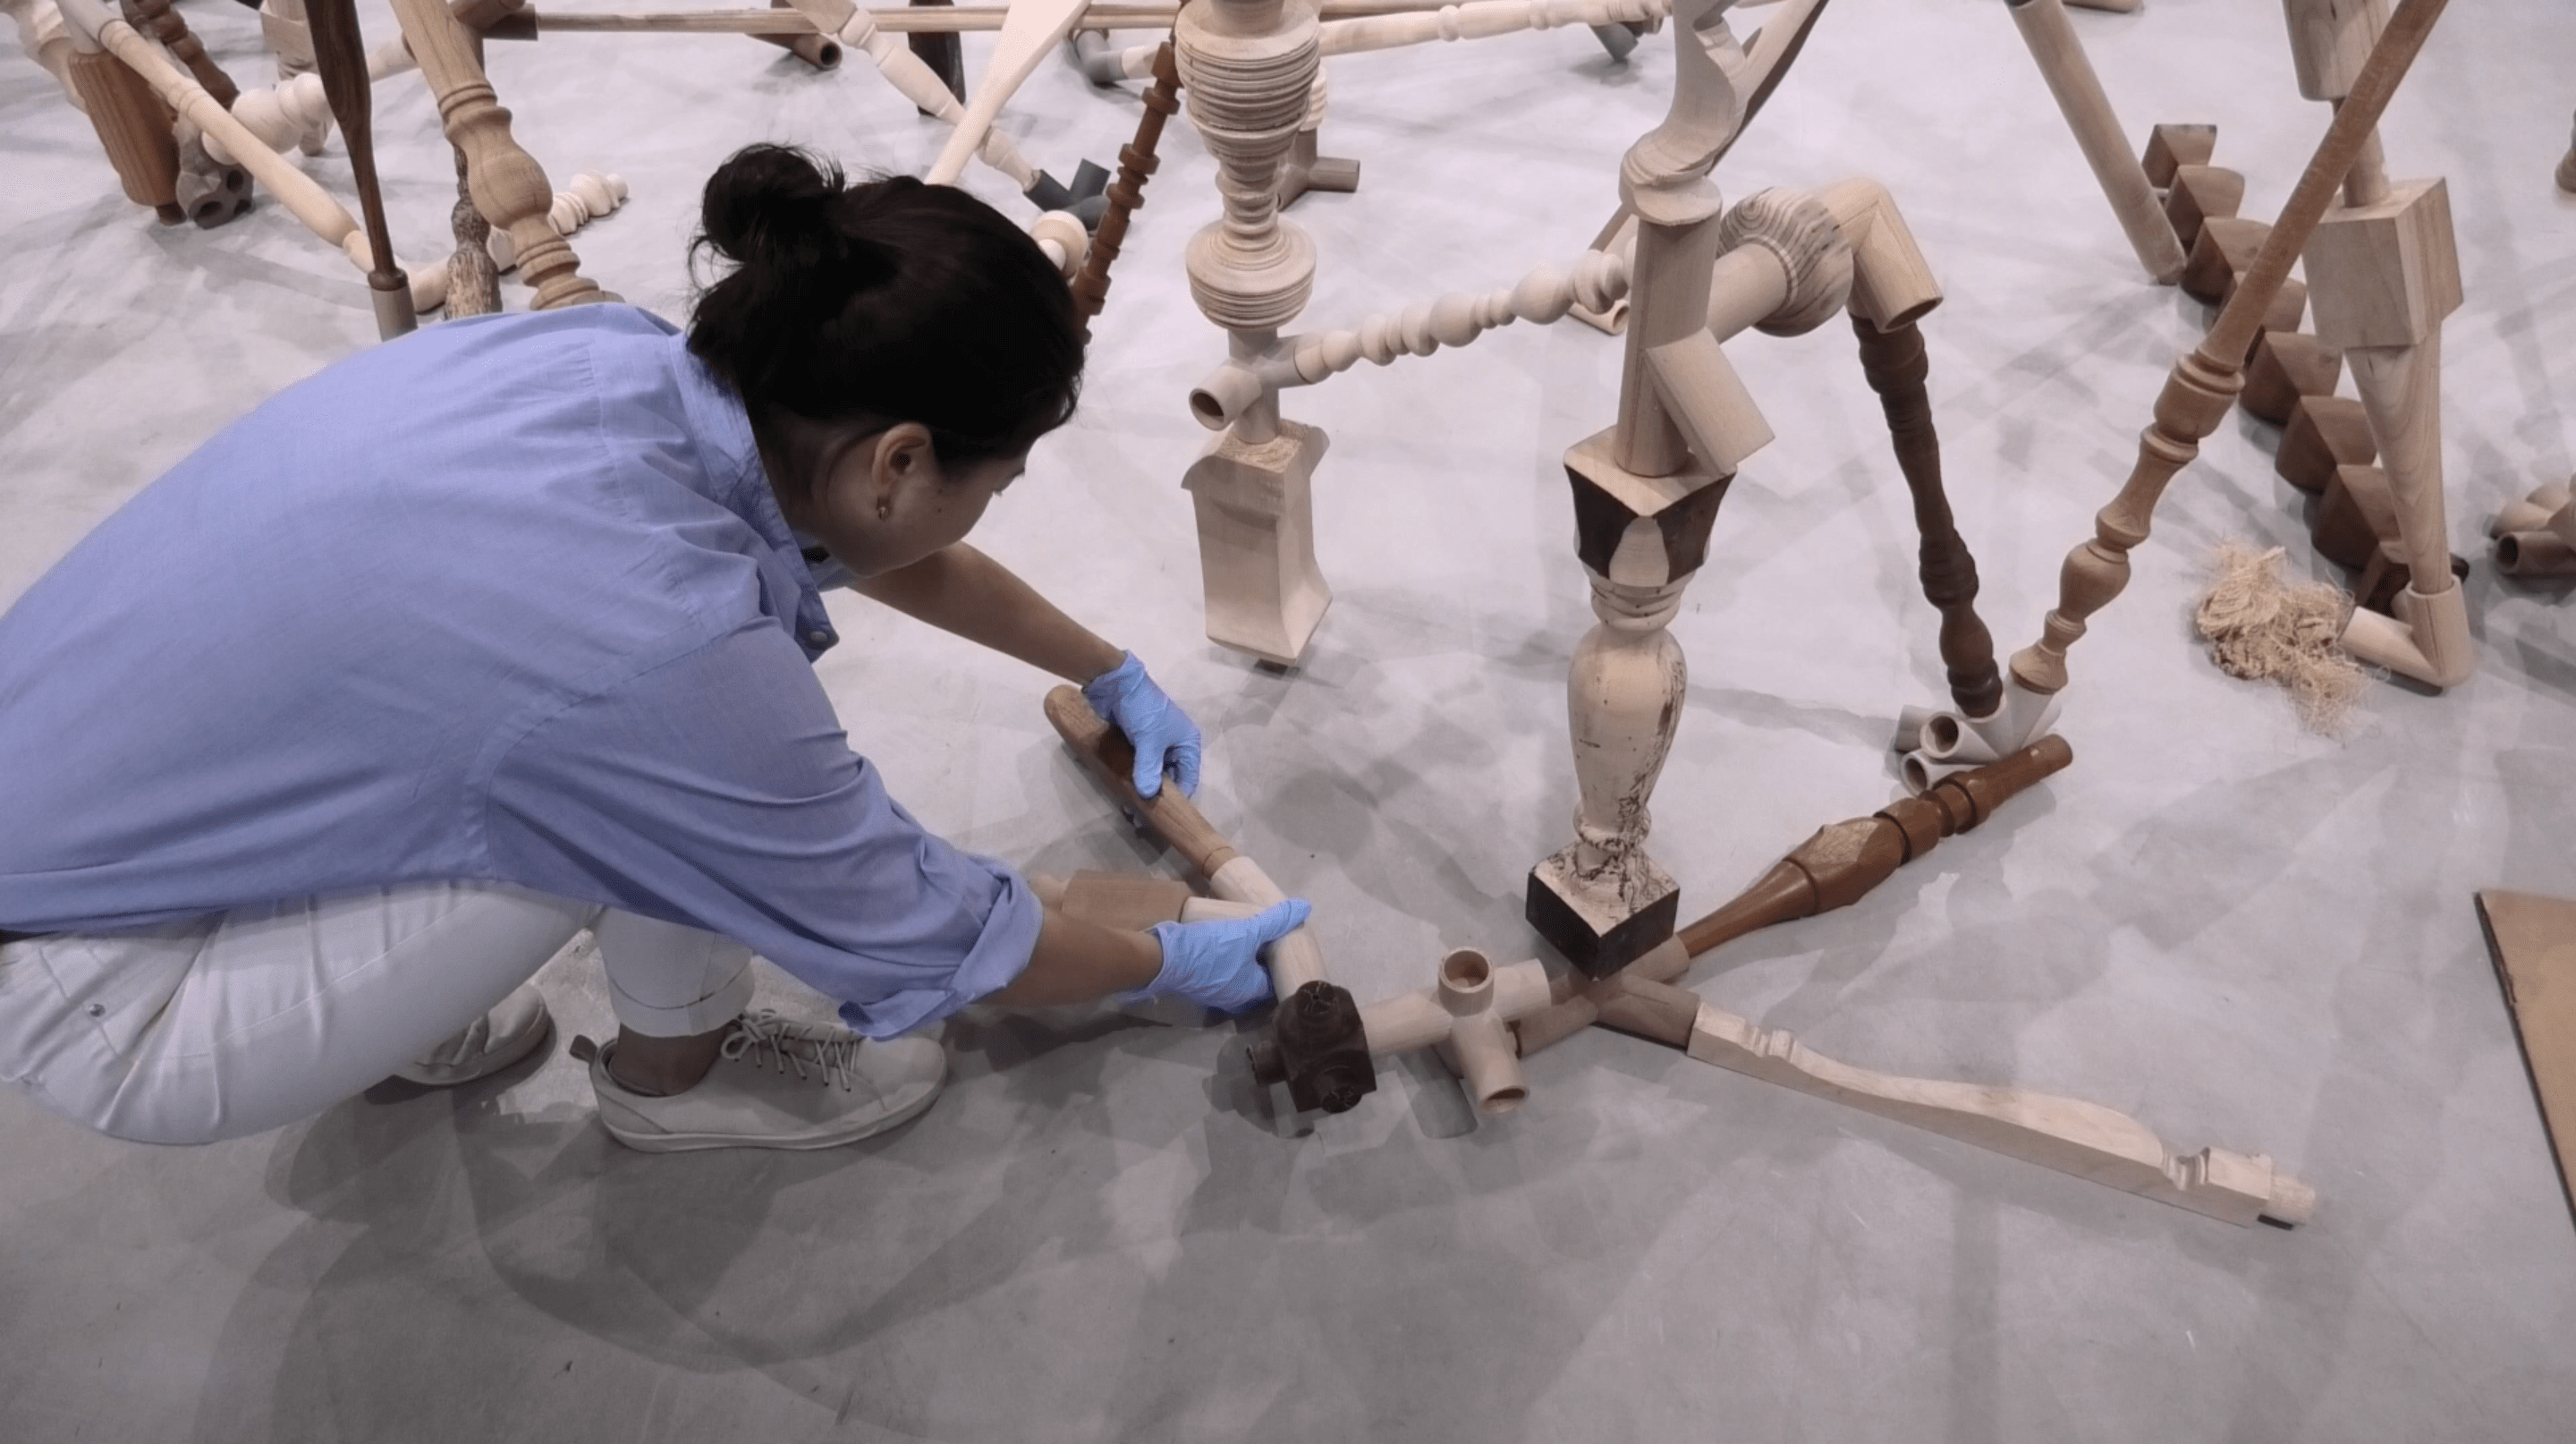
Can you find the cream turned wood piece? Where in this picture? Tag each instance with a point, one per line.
(2383, 271)
(1247, 69)
(909, 73)
(1646, 492)
(508, 185)
(1029, 33)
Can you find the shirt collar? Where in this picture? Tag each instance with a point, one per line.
(739, 483)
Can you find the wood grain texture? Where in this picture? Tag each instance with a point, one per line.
(2533, 942)
(133, 127)
(1137, 162)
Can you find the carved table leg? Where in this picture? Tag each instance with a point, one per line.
(1136, 163)
(1894, 362)
(134, 127)
(942, 53)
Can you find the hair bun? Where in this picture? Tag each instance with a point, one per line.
(772, 205)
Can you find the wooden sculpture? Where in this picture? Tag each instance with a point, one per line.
(2197, 395)
(163, 24)
(859, 30)
(133, 125)
(508, 185)
(340, 56)
(1320, 1051)
(2383, 272)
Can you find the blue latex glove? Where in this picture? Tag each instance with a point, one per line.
(1164, 735)
(1218, 964)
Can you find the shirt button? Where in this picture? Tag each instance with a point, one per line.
(98, 1010)
(819, 638)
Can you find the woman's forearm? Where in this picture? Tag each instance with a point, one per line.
(961, 590)
(1076, 962)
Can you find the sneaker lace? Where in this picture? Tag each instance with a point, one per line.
(765, 1039)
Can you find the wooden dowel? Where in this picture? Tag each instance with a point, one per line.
(2205, 381)
(2062, 63)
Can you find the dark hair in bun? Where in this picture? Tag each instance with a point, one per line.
(883, 302)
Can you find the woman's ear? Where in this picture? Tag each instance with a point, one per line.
(905, 460)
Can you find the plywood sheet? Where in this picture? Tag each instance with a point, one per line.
(2533, 940)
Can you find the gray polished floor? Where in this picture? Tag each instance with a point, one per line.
(2237, 932)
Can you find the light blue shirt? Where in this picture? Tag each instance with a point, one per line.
(509, 599)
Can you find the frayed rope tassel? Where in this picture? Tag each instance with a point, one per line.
(2265, 630)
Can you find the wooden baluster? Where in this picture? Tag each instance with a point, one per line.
(340, 55)
(945, 54)
(508, 185)
(1895, 364)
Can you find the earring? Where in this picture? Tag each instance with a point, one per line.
(885, 508)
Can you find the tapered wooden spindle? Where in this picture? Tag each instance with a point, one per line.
(1896, 366)
(2205, 381)
(340, 55)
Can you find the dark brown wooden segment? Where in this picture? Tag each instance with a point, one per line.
(2358, 512)
(1895, 365)
(2286, 366)
(2171, 147)
(1126, 194)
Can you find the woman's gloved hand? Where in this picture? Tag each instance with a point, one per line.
(1218, 964)
(1164, 735)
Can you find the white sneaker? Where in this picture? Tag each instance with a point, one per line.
(777, 1084)
(501, 1037)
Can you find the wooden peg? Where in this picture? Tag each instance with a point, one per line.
(942, 54)
(508, 185)
(2287, 365)
(1896, 367)
(2324, 432)
(2203, 384)
(1030, 32)
(817, 49)
(340, 55)
(134, 128)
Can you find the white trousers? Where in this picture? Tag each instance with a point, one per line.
(224, 1026)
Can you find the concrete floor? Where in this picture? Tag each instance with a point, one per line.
(2239, 933)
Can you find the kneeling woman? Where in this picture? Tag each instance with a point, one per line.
(323, 744)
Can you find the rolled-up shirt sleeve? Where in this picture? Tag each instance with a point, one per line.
(718, 790)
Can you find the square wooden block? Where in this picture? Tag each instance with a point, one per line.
(2385, 275)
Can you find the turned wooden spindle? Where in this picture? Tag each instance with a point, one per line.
(340, 56)
(1897, 368)
(942, 53)
(160, 21)
(508, 185)
(1136, 164)
(2204, 383)
(132, 123)
(1835, 868)
(2062, 63)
